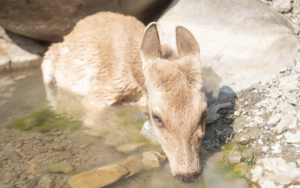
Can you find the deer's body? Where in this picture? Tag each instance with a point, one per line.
(108, 58)
(99, 59)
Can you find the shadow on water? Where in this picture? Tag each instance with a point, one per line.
(117, 125)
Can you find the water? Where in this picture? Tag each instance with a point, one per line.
(33, 136)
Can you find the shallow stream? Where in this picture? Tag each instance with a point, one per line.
(34, 136)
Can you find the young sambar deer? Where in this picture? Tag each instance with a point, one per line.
(110, 58)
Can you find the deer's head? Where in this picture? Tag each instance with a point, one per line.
(176, 99)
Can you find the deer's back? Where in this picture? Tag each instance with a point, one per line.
(100, 55)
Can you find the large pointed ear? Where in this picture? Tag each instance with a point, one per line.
(150, 48)
(186, 43)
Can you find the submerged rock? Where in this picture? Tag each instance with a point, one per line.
(152, 159)
(275, 173)
(129, 148)
(102, 176)
(63, 167)
(233, 158)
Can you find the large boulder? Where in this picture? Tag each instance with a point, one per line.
(50, 20)
(241, 42)
(18, 52)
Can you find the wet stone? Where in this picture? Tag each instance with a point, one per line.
(150, 160)
(62, 167)
(129, 148)
(102, 176)
(233, 158)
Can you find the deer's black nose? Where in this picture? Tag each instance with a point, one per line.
(188, 178)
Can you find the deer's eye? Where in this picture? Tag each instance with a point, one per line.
(157, 120)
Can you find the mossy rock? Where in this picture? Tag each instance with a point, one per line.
(234, 151)
(240, 169)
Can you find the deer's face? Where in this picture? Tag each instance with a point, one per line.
(176, 100)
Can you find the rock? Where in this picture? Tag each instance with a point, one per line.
(45, 182)
(64, 155)
(274, 119)
(213, 109)
(47, 139)
(233, 158)
(34, 166)
(241, 169)
(62, 167)
(129, 148)
(293, 138)
(276, 148)
(290, 82)
(286, 108)
(247, 135)
(150, 160)
(17, 52)
(33, 183)
(284, 123)
(220, 41)
(275, 95)
(275, 173)
(56, 147)
(282, 6)
(13, 156)
(50, 21)
(148, 132)
(106, 175)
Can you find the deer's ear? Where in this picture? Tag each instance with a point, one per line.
(150, 48)
(186, 43)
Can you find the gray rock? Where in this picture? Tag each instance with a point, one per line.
(225, 65)
(282, 6)
(284, 123)
(49, 21)
(275, 173)
(233, 158)
(293, 138)
(286, 108)
(45, 182)
(290, 82)
(33, 183)
(17, 52)
(274, 119)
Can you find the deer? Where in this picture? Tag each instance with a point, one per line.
(110, 58)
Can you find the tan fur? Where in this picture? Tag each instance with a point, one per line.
(101, 60)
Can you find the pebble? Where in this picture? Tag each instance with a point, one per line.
(45, 182)
(62, 167)
(150, 160)
(129, 148)
(274, 119)
(284, 123)
(233, 158)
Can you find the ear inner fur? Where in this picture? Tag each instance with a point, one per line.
(186, 42)
(150, 48)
